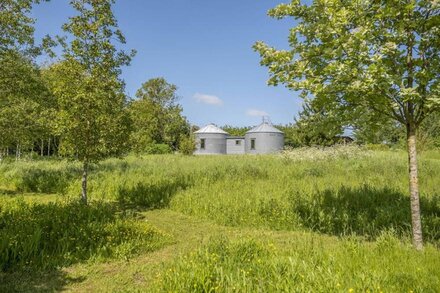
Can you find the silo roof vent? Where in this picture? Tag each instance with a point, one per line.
(211, 128)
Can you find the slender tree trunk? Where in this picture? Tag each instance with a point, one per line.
(84, 182)
(17, 153)
(42, 147)
(414, 188)
(48, 148)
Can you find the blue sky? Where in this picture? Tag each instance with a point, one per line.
(205, 48)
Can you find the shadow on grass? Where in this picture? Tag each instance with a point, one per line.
(152, 195)
(36, 281)
(4, 191)
(365, 211)
(46, 180)
(37, 240)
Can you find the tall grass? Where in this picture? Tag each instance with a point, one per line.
(338, 191)
(351, 193)
(307, 265)
(38, 176)
(62, 233)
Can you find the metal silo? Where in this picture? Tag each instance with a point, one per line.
(210, 140)
(264, 139)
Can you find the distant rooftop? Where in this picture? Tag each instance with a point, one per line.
(211, 128)
(265, 127)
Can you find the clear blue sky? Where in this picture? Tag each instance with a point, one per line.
(205, 48)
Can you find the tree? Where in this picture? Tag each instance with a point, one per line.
(236, 130)
(89, 91)
(17, 27)
(317, 126)
(429, 137)
(187, 145)
(21, 88)
(156, 116)
(376, 129)
(380, 56)
(22, 101)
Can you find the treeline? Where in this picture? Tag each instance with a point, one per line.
(153, 121)
(77, 106)
(317, 125)
(47, 110)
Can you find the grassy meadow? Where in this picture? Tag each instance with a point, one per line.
(336, 220)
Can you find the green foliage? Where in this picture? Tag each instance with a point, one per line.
(290, 135)
(92, 121)
(187, 145)
(23, 114)
(59, 234)
(236, 131)
(363, 56)
(378, 57)
(317, 126)
(45, 180)
(307, 265)
(16, 26)
(158, 149)
(88, 87)
(156, 118)
(429, 136)
(374, 129)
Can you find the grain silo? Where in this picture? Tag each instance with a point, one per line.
(264, 139)
(210, 140)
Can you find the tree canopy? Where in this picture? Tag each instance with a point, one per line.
(351, 56)
(156, 116)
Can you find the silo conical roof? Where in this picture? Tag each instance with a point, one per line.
(264, 127)
(211, 128)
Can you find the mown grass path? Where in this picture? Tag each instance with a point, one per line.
(139, 273)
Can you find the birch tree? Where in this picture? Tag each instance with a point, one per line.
(89, 91)
(382, 56)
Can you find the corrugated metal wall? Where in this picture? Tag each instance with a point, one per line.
(265, 143)
(235, 146)
(215, 144)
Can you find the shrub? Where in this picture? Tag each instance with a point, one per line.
(377, 147)
(158, 149)
(324, 153)
(187, 145)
